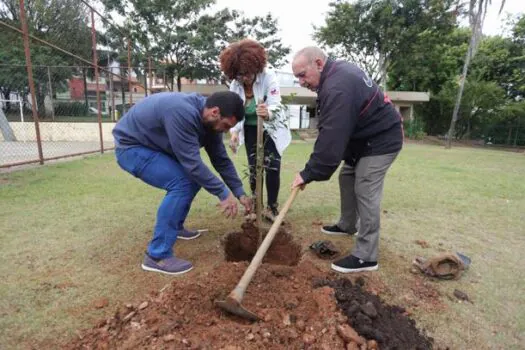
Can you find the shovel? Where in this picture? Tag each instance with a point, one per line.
(232, 303)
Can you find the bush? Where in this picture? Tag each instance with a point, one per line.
(419, 135)
(295, 135)
(414, 129)
(70, 109)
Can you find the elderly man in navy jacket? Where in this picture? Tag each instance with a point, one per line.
(358, 125)
(159, 141)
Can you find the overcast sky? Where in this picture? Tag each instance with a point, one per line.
(296, 18)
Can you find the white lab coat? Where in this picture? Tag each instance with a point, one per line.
(266, 84)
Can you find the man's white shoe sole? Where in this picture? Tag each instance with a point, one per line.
(361, 269)
(334, 233)
(189, 238)
(152, 269)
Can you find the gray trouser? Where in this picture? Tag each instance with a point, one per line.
(361, 190)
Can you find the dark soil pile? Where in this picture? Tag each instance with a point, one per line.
(302, 308)
(372, 319)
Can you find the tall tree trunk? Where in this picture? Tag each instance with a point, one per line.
(50, 92)
(146, 85)
(111, 101)
(5, 128)
(6, 95)
(179, 83)
(86, 100)
(471, 47)
(517, 132)
(40, 101)
(467, 134)
(171, 84)
(382, 67)
(123, 97)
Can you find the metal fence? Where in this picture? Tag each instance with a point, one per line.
(62, 93)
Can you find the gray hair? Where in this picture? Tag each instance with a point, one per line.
(311, 53)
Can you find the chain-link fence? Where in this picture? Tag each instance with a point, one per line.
(63, 88)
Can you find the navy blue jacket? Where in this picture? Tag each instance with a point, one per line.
(171, 122)
(355, 120)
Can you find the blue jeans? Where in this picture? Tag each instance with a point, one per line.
(162, 171)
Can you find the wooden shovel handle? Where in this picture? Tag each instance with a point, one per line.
(239, 290)
(259, 162)
(259, 165)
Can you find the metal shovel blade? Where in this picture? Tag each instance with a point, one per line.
(233, 306)
(466, 260)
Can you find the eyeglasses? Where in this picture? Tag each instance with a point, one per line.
(240, 76)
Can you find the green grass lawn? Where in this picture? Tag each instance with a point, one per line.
(75, 232)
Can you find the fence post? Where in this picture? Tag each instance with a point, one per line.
(29, 67)
(95, 66)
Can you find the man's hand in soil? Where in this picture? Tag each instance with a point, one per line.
(229, 206)
(247, 203)
(298, 182)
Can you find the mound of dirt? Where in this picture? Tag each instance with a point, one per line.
(183, 315)
(299, 306)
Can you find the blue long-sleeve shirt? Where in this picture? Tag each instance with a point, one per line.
(171, 122)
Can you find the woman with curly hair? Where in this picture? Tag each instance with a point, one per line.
(244, 63)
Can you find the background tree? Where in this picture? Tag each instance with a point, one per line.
(518, 51)
(477, 13)
(266, 31)
(491, 95)
(496, 61)
(433, 65)
(432, 61)
(186, 39)
(61, 22)
(508, 127)
(177, 33)
(376, 34)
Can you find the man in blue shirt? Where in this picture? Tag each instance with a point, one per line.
(158, 141)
